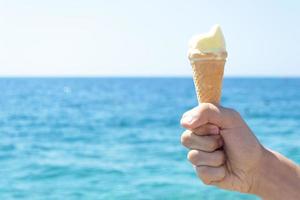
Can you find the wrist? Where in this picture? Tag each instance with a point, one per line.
(261, 178)
(277, 177)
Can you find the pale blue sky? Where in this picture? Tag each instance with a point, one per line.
(149, 38)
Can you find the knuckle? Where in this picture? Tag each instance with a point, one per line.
(184, 116)
(186, 138)
(193, 156)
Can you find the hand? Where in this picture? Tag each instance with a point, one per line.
(224, 150)
(226, 154)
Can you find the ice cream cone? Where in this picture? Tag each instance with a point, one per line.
(208, 77)
(207, 54)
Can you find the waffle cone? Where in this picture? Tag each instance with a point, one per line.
(208, 76)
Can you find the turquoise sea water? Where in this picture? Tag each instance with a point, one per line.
(119, 138)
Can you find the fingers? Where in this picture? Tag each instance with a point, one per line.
(207, 129)
(205, 143)
(202, 158)
(209, 175)
(209, 113)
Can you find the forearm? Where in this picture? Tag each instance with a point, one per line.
(279, 178)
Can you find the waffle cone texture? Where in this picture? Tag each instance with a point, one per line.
(208, 77)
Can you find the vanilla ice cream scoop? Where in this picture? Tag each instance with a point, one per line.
(212, 42)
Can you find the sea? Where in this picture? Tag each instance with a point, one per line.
(119, 138)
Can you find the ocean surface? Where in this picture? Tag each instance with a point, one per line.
(119, 138)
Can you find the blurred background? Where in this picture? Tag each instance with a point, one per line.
(92, 93)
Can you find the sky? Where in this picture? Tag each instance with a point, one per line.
(145, 38)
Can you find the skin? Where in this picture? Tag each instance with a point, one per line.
(226, 154)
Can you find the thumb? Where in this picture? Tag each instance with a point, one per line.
(208, 113)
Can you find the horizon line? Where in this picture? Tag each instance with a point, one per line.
(139, 76)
